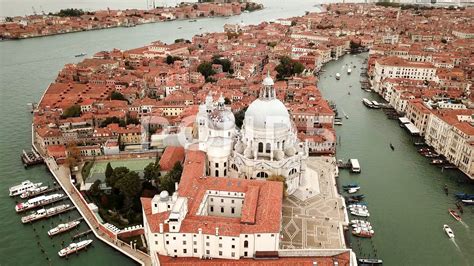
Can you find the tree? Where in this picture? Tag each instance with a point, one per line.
(280, 178)
(293, 23)
(119, 173)
(109, 170)
(239, 117)
(73, 154)
(227, 101)
(72, 111)
(152, 171)
(117, 96)
(69, 12)
(205, 68)
(129, 185)
(94, 190)
(170, 59)
(224, 62)
(288, 67)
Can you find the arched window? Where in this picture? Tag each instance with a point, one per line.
(225, 172)
(217, 172)
(292, 172)
(260, 147)
(246, 244)
(234, 167)
(268, 148)
(262, 175)
(283, 145)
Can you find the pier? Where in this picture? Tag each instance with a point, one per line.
(62, 175)
(81, 234)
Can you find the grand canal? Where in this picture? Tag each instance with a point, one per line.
(405, 196)
(407, 204)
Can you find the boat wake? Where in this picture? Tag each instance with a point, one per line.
(456, 244)
(465, 224)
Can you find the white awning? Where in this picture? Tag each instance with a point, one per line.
(404, 120)
(413, 129)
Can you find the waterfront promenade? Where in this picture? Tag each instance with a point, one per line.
(62, 175)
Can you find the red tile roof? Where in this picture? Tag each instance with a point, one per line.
(170, 157)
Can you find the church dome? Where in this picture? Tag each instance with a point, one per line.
(267, 113)
(268, 81)
(222, 120)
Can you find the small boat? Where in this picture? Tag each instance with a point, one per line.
(437, 161)
(454, 214)
(348, 93)
(360, 214)
(353, 190)
(180, 28)
(349, 70)
(448, 231)
(446, 189)
(431, 155)
(424, 150)
(350, 185)
(63, 228)
(462, 196)
(468, 201)
(363, 233)
(391, 147)
(337, 123)
(359, 196)
(74, 247)
(38, 201)
(370, 261)
(338, 76)
(80, 55)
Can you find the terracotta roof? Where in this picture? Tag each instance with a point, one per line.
(170, 157)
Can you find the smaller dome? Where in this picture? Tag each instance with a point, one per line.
(164, 195)
(268, 81)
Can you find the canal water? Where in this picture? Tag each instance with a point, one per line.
(26, 69)
(405, 195)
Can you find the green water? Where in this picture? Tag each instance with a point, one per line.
(405, 195)
(26, 69)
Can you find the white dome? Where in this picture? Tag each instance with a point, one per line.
(164, 195)
(268, 81)
(267, 113)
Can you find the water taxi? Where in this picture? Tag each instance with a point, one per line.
(74, 247)
(23, 187)
(63, 228)
(448, 231)
(355, 166)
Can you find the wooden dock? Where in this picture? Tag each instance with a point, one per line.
(81, 234)
(31, 158)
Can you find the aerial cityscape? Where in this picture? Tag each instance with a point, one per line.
(235, 132)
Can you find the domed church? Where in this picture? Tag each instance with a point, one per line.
(266, 145)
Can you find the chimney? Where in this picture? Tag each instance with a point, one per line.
(161, 228)
(217, 231)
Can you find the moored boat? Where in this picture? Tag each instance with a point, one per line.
(437, 161)
(38, 201)
(23, 187)
(43, 213)
(363, 232)
(370, 261)
(448, 231)
(350, 185)
(454, 214)
(349, 70)
(338, 76)
(33, 191)
(63, 228)
(468, 201)
(367, 102)
(80, 55)
(74, 247)
(465, 196)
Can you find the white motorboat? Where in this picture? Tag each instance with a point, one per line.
(33, 191)
(38, 201)
(42, 213)
(360, 213)
(338, 76)
(23, 187)
(448, 231)
(349, 70)
(63, 228)
(353, 190)
(74, 247)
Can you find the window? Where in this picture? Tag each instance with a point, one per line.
(194, 242)
(268, 148)
(246, 243)
(184, 251)
(207, 244)
(174, 238)
(195, 250)
(212, 208)
(233, 246)
(232, 210)
(225, 172)
(233, 254)
(262, 175)
(222, 209)
(167, 242)
(184, 242)
(217, 164)
(208, 252)
(246, 254)
(220, 253)
(260, 147)
(220, 245)
(217, 172)
(156, 242)
(222, 200)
